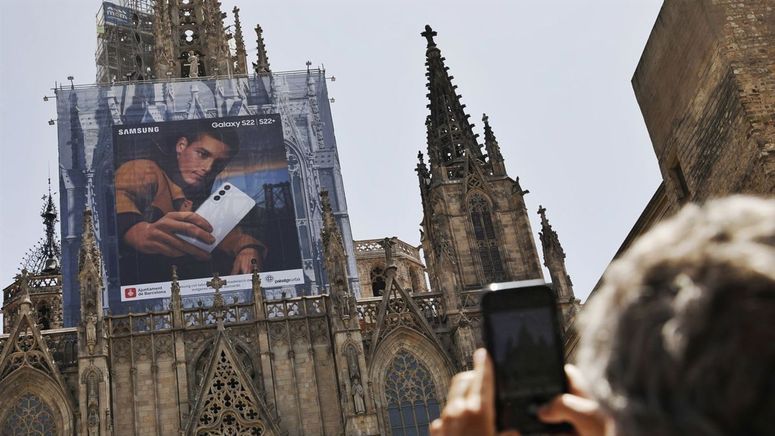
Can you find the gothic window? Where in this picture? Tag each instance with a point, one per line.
(30, 416)
(228, 407)
(377, 281)
(411, 396)
(682, 188)
(44, 316)
(486, 241)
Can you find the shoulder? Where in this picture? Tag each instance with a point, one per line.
(138, 172)
(139, 165)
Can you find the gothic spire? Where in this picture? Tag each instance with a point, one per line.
(332, 236)
(176, 302)
(549, 239)
(164, 63)
(44, 257)
(495, 158)
(89, 259)
(50, 249)
(336, 262)
(241, 56)
(450, 135)
(262, 64)
(554, 260)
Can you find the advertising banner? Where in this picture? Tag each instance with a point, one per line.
(118, 15)
(148, 159)
(206, 196)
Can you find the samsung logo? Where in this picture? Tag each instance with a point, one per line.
(137, 130)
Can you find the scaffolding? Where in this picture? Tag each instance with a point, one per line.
(125, 41)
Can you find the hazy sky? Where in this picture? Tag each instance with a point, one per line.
(553, 76)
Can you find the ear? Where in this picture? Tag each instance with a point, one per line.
(181, 144)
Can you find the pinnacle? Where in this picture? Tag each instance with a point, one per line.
(429, 33)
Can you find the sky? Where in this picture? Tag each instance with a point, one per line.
(553, 77)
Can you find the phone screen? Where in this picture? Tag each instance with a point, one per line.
(527, 353)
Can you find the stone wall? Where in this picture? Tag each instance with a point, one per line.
(706, 88)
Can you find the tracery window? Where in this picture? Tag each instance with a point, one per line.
(377, 281)
(411, 396)
(228, 407)
(30, 416)
(486, 241)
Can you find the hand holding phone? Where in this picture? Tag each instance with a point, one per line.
(522, 335)
(160, 237)
(470, 408)
(223, 210)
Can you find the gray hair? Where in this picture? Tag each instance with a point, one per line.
(680, 339)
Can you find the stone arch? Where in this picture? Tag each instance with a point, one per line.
(378, 280)
(473, 193)
(90, 372)
(352, 355)
(26, 382)
(427, 354)
(203, 355)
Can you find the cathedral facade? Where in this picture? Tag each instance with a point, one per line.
(369, 350)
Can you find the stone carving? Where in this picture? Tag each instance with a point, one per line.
(227, 406)
(91, 332)
(193, 62)
(358, 397)
(93, 403)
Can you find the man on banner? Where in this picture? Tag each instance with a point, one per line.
(155, 201)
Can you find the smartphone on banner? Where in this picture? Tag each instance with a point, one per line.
(522, 335)
(224, 209)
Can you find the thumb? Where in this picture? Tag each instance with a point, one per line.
(584, 414)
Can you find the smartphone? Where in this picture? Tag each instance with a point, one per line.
(224, 209)
(522, 334)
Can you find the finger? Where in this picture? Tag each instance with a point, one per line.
(437, 427)
(190, 217)
(191, 249)
(241, 266)
(483, 363)
(576, 381)
(582, 413)
(475, 388)
(198, 220)
(185, 228)
(181, 245)
(460, 384)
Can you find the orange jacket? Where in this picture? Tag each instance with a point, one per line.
(141, 185)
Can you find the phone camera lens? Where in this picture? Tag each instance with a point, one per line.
(217, 197)
(222, 192)
(227, 187)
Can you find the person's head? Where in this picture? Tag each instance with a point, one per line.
(204, 155)
(680, 339)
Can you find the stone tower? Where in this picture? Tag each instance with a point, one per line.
(191, 40)
(554, 260)
(93, 359)
(709, 115)
(475, 227)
